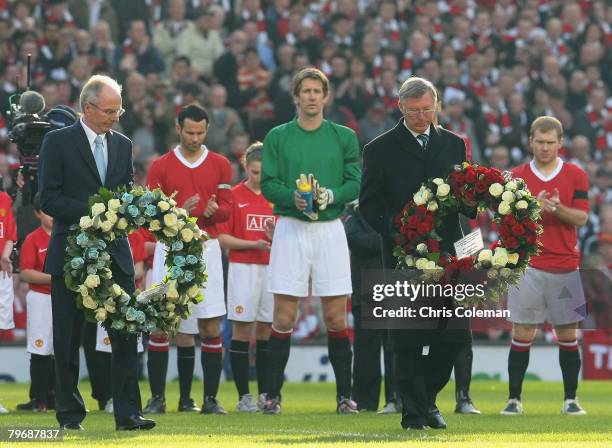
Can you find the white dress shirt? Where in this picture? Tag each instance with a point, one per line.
(91, 137)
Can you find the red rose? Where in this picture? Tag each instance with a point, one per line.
(413, 222)
(504, 231)
(531, 225)
(532, 239)
(423, 228)
(421, 210)
(481, 187)
(518, 229)
(411, 234)
(433, 245)
(511, 242)
(429, 218)
(470, 176)
(469, 195)
(509, 220)
(459, 178)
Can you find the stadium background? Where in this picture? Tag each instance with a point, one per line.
(497, 65)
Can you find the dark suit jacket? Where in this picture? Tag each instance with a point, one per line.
(394, 166)
(67, 177)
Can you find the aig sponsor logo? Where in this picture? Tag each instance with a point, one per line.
(257, 222)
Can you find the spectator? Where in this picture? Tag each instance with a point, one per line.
(224, 121)
(168, 33)
(87, 14)
(138, 44)
(375, 122)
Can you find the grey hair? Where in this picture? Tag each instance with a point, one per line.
(93, 87)
(415, 87)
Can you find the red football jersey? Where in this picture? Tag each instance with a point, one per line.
(250, 212)
(32, 256)
(172, 173)
(560, 251)
(8, 229)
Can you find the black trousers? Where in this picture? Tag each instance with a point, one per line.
(366, 370)
(420, 377)
(98, 364)
(67, 327)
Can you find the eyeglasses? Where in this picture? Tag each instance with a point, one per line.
(110, 112)
(417, 112)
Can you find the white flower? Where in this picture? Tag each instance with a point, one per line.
(89, 302)
(513, 258)
(83, 290)
(106, 226)
(511, 186)
(418, 198)
(109, 307)
(98, 208)
(85, 222)
(421, 263)
(180, 224)
(443, 190)
(505, 272)
(496, 189)
(155, 225)
(504, 208)
(438, 181)
(122, 224)
(170, 232)
(111, 216)
(521, 204)
(170, 306)
(170, 220)
(116, 290)
(485, 255)
(431, 265)
(163, 206)
(432, 206)
(421, 248)
(108, 274)
(114, 205)
(508, 196)
(500, 259)
(186, 235)
(501, 250)
(172, 295)
(92, 281)
(409, 260)
(193, 292)
(100, 314)
(492, 273)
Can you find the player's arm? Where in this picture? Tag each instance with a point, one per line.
(35, 277)
(223, 199)
(351, 178)
(569, 215)
(228, 241)
(273, 187)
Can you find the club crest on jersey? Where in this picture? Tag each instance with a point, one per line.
(106, 340)
(239, 309)
(39, 343)
(258, 222)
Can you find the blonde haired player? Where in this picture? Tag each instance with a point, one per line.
(246, 235)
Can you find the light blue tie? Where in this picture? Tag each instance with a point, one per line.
(99, 156)
(423, 139)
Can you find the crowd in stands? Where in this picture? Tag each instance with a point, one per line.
(497, 64)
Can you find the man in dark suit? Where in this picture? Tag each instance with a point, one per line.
(395, 165)
(74, 163)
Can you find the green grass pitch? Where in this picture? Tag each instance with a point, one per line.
(309, 420)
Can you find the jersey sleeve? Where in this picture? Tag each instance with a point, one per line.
(272, 184)
(137, 246)
(27, 254)
(351, 181)
(227, 226)
(224, 193)
(154, 177)
(580, 197)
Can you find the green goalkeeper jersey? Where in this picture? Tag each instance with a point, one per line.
(330, 153)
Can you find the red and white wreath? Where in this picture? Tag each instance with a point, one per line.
(470, 186)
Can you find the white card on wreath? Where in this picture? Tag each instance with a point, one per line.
(469, 244)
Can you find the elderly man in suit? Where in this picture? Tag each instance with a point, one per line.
(395, 165)
(74, 163)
